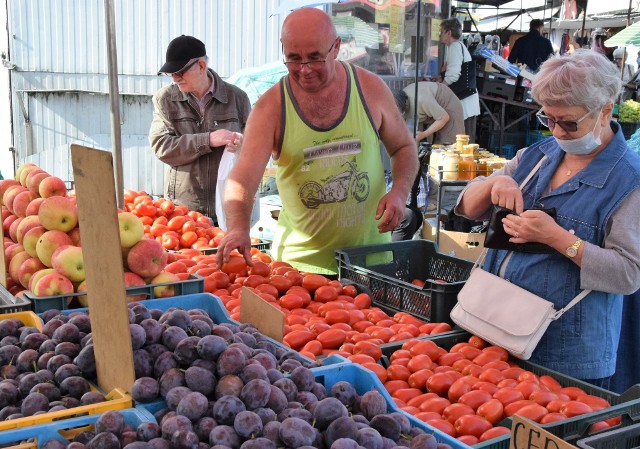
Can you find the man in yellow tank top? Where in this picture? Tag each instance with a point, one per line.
(322, 124)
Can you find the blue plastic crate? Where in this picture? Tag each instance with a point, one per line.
(58, 430)
(194, 284)
(626, 437)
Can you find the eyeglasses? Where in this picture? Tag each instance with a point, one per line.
(184, 70)
(315, 64)
(569, 126)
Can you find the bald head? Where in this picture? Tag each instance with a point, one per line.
(308, 23)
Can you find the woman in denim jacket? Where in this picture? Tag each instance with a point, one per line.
(591, 178)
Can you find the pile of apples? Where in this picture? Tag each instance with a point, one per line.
(43, 250)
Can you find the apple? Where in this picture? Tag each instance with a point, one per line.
(131, 229)
(37, 275)
(34, 206)
(13, 229)
(22, 176)
(21, 202)
(164, 291)
(30, 239)
(48, 243)
(30, 175)
(147, 258)
(7, 222)
(133, 280)
(58, 213)
(68, 261)
(10, 195)
(84, 299)
(5, 212)
(34, 180)
(52, 284)
(22, 167)
(75, 236)
(23, 227)
(5, 184)
(14, 264)
(52, 186)
(12, 250)
(28, 268)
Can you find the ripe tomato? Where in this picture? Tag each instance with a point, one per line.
(188, 238)
(512, 409)
(454, 411)
(475, 398)
(492, 411)
(378, 370)
(298, 338)
(472, 425)
(236, 264)
(542, 397)
(439, 383)
(434, 405)
(595, 402)
(459, 388)
(575, 408)
(534, 412)
(427, 347)
(508, 395)
(362, 301)
(552, 417)
(313, 281)
(369, 348)
(419, 378)
(442, 425)
(494, 433)
(331, 338)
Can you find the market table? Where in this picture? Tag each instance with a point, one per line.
(499, 119)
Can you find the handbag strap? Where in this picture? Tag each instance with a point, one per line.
(579, 297)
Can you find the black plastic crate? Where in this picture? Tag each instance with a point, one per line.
(194, 284)
(12, 304)
(626, 405)
(624, 438)
(387, 270)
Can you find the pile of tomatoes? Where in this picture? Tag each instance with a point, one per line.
(176, 227)
(322, 316)
(467, 390)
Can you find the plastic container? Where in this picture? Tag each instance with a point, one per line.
(194, 284)
(64, 430)
(117, 399)
(626, 405)
(10, 303)
(626, 437)
(461, 141)
(450, 162)
(435, 161)
(27, 318)
(387, 270)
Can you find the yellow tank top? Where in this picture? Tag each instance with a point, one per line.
(330, 181)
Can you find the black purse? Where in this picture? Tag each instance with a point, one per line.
(497, 238)
(465, 86)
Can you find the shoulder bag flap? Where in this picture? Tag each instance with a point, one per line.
(502, 304)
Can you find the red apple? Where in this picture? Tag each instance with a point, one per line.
(24, 226)
(13, 229)
(12, 250)
(131, 229)
(48, 243)
(14, 264)
(21, 202)
(147, 258)
(53, 284)
(22, 176)
(30, 239)
(28, 268)
(22, 167)
(68, 261)
(7, 222)
(52, 186)
(5, 184)
(10, 195)
(5, 212)
(75, 236)
(58, 213)
(34, 180)
(34, 206)
(37, 275)
(163, 291)
(133, 280)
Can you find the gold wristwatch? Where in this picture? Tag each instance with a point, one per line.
(572, 251)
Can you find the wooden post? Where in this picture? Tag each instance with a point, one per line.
(100, 235)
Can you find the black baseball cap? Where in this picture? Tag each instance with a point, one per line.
(180, 51)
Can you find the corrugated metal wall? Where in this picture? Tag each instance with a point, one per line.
(59, 48)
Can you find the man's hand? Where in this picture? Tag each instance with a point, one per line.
(234, 240)
(390, 211)
(224, 137)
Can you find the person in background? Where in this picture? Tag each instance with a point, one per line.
(195, 119)
(456, 55)
(626, 70)
(440, 112)
(592, 179)
(533, 48)
(322, 124)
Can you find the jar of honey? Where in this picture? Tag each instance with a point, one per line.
(467, 167)
(450, 163)
(471, 148)
(435, 161)
(481, 167)
(461, 141)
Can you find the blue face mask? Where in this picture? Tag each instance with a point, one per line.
(582, 145)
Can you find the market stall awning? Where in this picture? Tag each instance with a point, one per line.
(629, 36)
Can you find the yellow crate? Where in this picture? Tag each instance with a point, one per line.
(117, 399)
(28, 318)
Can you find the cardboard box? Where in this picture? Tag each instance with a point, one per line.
(464, 245)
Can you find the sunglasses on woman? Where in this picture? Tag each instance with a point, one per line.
(569, 126)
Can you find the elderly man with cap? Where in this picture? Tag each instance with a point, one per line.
(195, 119)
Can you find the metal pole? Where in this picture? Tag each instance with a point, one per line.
(116, 135)
(584, 21)
(419, 56)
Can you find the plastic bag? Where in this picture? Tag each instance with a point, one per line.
(227, 163)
